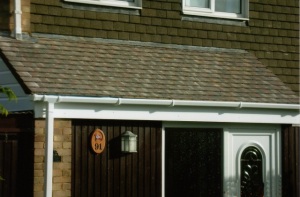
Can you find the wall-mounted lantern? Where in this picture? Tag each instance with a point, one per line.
(128, 142)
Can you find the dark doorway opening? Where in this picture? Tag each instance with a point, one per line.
(193, 162)
(16, 155)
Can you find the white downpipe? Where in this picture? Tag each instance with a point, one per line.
(18, 20)
(157, 102)
(49, 150)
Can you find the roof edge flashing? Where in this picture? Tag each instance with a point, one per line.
(159, 102)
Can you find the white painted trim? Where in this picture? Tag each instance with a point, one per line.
(49, 150)
(167, 110)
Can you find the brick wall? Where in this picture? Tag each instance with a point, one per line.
(271, 34)
(61, 170)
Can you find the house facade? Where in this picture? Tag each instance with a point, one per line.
(210, 88)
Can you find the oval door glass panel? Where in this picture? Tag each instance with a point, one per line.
(252, 173)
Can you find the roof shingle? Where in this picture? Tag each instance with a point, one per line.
(95, 67)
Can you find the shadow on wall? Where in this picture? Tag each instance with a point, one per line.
(115, 148)
(5, 14)
(272, 186)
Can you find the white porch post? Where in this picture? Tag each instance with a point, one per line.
(49, 150)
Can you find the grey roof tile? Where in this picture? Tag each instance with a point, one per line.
(96, 67)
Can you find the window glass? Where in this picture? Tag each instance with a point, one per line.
(251, 173)
(230, 6)
(198, 3)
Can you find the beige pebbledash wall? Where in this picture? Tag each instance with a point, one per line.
(61, 170)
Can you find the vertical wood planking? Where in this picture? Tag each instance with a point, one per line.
(285, 162)
(158, 161)
(14, 167)
(152, 161)
(290, 163)
(110, 162)
(100, 167)
(123, 169)
(112, 173)
(134, 172)
(147, 167)
(7, 172)
(1, 166)
(298, 160)
(128, 169)
(141, 158)
(296, 155)
(292, 158)
(116, 166)
(84, 167)
(90, 164)
(16, 154)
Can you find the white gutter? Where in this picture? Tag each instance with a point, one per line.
(18, 20)
(158, 102)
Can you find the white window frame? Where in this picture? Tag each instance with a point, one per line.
(210, 12)
(134, 4)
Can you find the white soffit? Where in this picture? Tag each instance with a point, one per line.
(167, 110)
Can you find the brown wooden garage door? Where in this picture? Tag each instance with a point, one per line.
(111, 173)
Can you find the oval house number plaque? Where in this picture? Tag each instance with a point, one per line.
(98, 141)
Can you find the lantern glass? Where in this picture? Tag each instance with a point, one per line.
(128, 142)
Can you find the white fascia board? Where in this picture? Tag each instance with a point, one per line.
(167, 110)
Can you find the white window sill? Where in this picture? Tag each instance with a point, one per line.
(120, 4)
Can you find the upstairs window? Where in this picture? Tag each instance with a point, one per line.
(135, 4)
(233, 9)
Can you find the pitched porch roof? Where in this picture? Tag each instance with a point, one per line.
(58, 65)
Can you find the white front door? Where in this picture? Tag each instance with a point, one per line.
(261, 142)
